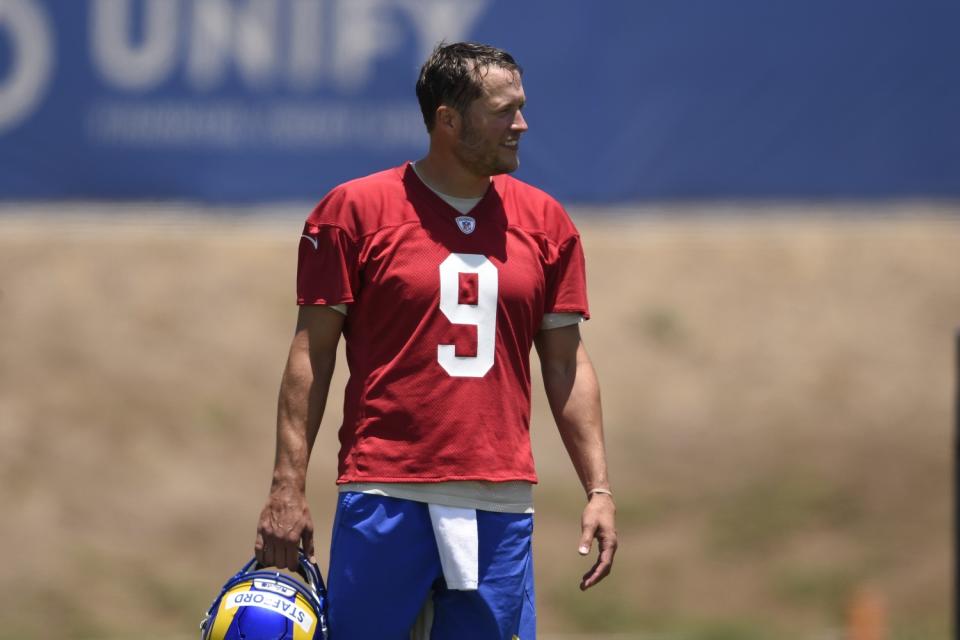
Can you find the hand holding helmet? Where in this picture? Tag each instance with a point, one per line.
(256, 604)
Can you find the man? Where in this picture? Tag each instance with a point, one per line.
(440, 275)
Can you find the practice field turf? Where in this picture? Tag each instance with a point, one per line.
(777, 393)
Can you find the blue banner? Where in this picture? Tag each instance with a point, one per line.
(246, 100)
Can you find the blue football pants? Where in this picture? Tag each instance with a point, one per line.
(384, 564)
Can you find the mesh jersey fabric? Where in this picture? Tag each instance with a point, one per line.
(384, 244)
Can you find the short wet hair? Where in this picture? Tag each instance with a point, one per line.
(453, 75)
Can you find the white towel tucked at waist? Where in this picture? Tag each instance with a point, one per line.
(455, 530)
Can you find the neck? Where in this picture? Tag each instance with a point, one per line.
(447, 175)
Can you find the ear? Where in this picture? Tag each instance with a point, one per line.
(447, 117)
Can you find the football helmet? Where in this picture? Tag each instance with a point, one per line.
(268, 605)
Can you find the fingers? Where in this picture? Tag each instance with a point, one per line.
(600, 569)
(589, 578)
(586, 537)
(286, 545)
(306, 542)
(287, 551)
(598, 523)
(279, 549)
(266, 548)
(258, 550)
(280, 535)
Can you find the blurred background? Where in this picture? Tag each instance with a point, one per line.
(768, 198)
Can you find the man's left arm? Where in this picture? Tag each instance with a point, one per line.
(574, 396)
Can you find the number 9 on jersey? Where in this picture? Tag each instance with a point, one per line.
(480, 312)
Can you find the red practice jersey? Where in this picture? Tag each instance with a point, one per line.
(442, 315)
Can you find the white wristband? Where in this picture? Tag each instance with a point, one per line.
(593, 491)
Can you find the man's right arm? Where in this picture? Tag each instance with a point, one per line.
(285, 523)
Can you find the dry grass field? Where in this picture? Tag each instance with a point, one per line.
(777, 391)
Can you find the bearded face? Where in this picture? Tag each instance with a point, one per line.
(490, 133)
